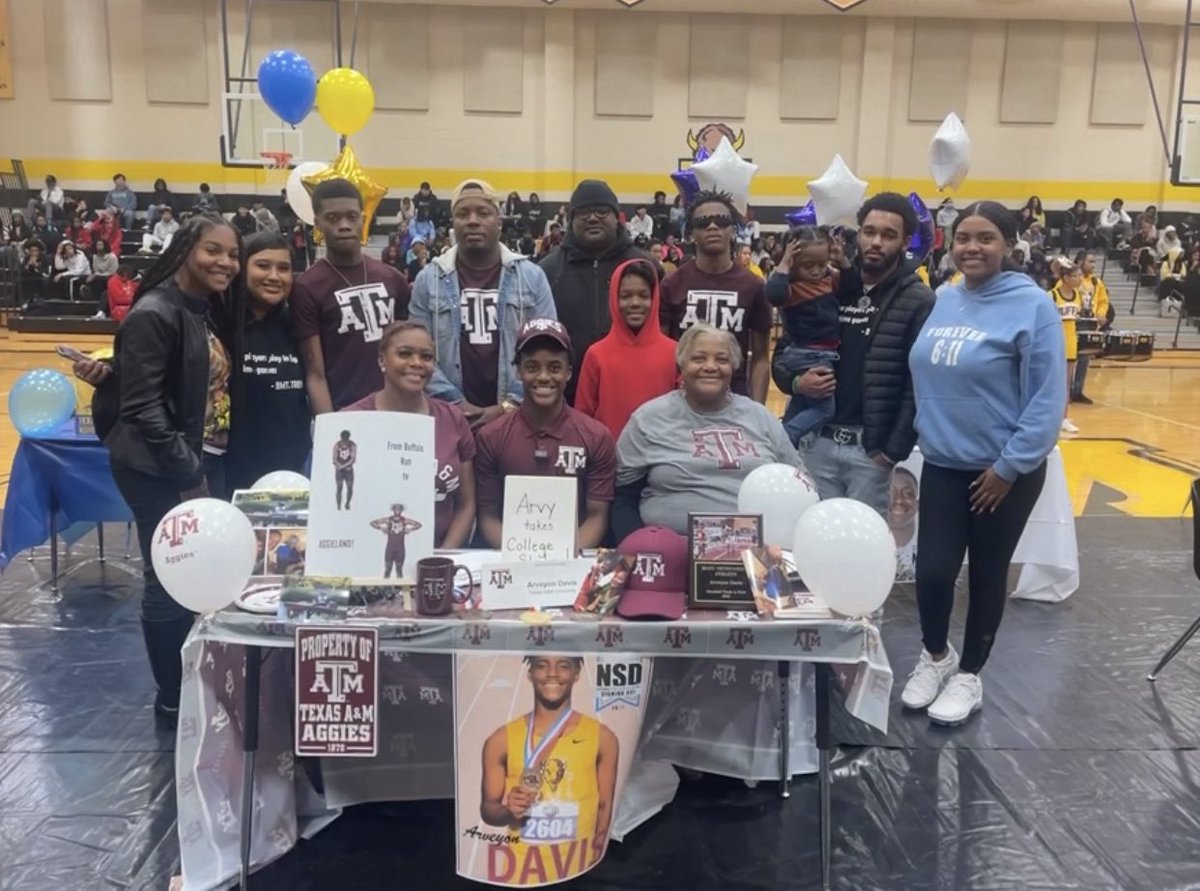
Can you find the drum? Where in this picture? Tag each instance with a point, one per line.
(1089, 337)
(1129, 346)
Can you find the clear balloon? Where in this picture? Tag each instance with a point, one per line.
(203, 553)
(40, 402)
(950, 153)
(288, 85)
(921, 243)
(846, 555)
(298, 196)
(804, 216)
(726, 171)
(282, 480)
(345, 100)
(781, 493)
(837, 194)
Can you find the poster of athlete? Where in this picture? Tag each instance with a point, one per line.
(544, 744)
(371, 506)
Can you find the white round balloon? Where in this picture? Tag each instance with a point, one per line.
(846, 556)
(297, 194)
(282, 481)
(781, 493)
(203, 553)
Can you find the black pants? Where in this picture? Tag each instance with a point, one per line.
(165, 624)
(947, 531)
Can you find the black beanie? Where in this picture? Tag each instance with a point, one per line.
(594, 192)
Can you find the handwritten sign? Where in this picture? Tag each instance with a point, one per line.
(337, 692)
(371, 508)
(514, 584)
(540, 515)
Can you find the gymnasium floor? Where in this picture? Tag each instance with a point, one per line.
(1076, 775)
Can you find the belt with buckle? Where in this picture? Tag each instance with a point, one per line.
(843, 435)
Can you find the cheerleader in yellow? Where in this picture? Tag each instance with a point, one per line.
(1095, 306)
(1068, 297)
(550, 777)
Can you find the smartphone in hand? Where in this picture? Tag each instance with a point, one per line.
(69, 352)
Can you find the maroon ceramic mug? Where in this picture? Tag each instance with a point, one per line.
(435, 585)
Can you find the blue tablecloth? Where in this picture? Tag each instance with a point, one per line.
(69, 473)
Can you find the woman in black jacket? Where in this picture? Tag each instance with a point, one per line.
(270, 423)
(162, 355)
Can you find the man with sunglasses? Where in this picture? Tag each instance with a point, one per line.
(580, 269)
(713, 288)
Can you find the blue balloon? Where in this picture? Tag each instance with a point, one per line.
(805, 216)
(40, 402)
(687, 184)
(702, 154)
(922, 241)
(288, 85)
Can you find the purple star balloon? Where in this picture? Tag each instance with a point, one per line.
(804, 216)
(922, 240)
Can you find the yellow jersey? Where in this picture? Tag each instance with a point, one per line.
(556, 837)
(1069, 310)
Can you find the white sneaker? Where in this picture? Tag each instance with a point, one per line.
(927, 678)
(960, 698)
(1068, 427)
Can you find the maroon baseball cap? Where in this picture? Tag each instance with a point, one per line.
(657, 585)
(536, 329)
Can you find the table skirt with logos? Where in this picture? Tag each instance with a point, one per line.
(1048, 552)
(721, 683)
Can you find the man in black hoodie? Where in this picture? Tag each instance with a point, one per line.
(579, 269)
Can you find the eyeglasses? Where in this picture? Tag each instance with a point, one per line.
(721, 221)
(600, 212)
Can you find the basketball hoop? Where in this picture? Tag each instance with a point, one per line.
(276, 160)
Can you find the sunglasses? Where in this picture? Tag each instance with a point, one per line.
(721, 221)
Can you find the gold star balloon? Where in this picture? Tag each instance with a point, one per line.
(347, 167)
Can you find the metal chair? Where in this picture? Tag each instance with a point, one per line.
(1195, 626)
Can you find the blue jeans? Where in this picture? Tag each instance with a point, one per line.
(803, 415)
(845, 471)
(1081, 370)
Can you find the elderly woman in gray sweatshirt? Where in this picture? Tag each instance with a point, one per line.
(688, 451)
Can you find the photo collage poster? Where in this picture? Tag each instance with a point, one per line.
(371, 506)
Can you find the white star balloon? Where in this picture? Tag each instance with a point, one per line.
(725, 171)
(950, 153)
(837, 195)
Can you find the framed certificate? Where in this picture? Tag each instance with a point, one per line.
(717, 574)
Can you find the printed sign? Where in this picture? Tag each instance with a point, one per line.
(540, 513)
(516, 585)
(534, 801)
(337, 692)
(370, 511)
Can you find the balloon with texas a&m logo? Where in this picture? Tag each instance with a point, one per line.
(203, 553)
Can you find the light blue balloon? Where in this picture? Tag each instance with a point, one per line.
(40, 402)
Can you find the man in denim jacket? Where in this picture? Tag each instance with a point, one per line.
(473, 299)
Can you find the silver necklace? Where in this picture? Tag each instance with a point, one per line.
(349, 284)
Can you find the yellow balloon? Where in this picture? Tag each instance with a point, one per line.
(346, 167)
(345, 100)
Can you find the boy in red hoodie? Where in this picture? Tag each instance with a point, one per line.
(635, 361)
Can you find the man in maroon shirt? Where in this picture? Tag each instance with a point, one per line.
(714, 289)
(342, 304)
(545, 437)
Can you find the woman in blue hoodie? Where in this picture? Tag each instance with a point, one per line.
(987, 371)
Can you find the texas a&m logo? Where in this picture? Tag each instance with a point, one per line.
(678, 638)
(610, 636)
(740, 638)
(174, 528)
(365, 308)
(718, 308)
(571, 459)
(649, 568)
(807, 639)
(478, 314)
(501, 578)
(725, 445)
(540, 635)
(476, 633)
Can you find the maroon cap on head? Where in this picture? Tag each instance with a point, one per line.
(536, 329)
(657, 585)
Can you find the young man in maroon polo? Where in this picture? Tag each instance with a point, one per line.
(545, 437)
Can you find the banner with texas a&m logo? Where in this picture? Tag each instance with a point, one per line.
(544, 744)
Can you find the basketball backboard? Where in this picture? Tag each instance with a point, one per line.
(254, 136)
